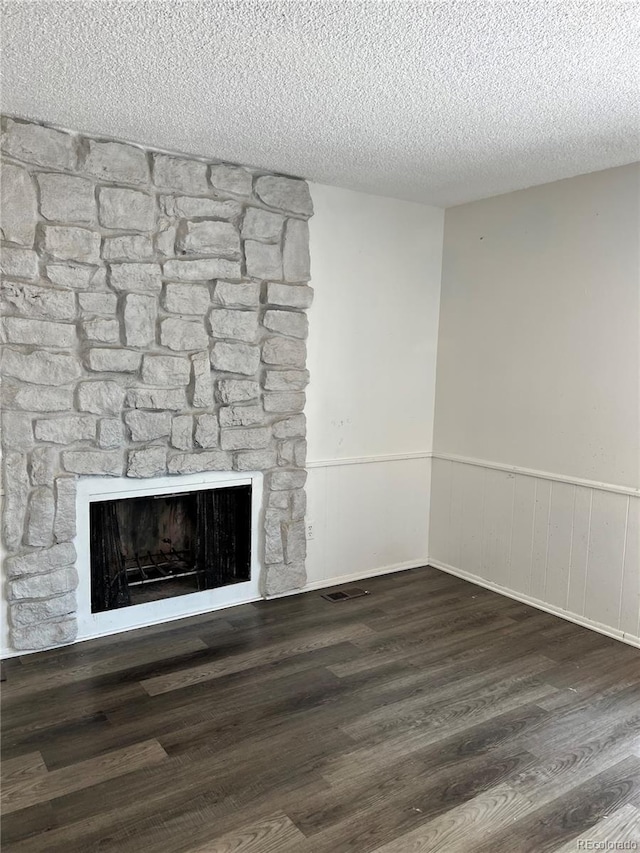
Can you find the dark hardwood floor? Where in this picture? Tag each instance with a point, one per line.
(430, 715)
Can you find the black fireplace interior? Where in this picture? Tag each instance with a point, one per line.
(159, 546)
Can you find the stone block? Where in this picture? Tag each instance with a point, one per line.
(289, 323)
(254, 438)
(206, 434)
(137, 278)
(285, 193)
(40, 145)
(98, 303)
(40, 516)
(147, 426)
(237, 390)
(279, 500)
(140, 314)
(202, 396)
(166, 240)
(289, 295)
(245, 295)
(287, 480)
(114, 161)
(16, 495)
(195, 463)
(285, 352)
(150, 462)
(235, 358)
(203, 269)
(231, 179)
(286, 453)
(187, 298)
(294, 427)
(300, 454)
(101, 396)
(18, 263)
(44, 635)
(25, 613)
(263, 260)
(254, 460)
(41, 562)
(128, 247)
(47, 585)
(283, 577)
(233, 324)
(298, 504)
(262, 225)
(187, 176)
(17, 431)
(296, 262)
(110, 433)
(66, 429)
(18, 330)
(64, 528)
(30, 300)
(273, 546)
(70, 243)
(295, 542)
(284, 401)
(182, 432)
(71, 275)
(40, 367)
(64, 198)
(184, 207)
(172, 399)
(43, 465)
(286, 380)
(126, 209)
(36, 398)
(165, 370)
(18, 210)
(102, 330)
(210, 238)
(115, 360)
(182, 335)
(231, 416)
(107, 462)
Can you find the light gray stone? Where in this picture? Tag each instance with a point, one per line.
(41, 562)
(246, 294)
(33, 612)
(17, 330)
(298, 504)
(285, 352)
(286, 453)
(30, 300)
(64, 528)
(17, 432)
(293, 427)
(203, 269)
(255, 460)
(264, 260)
(195, 463)
(37, 398)
(295, 254)
(206, 434)
(18, 213)
(126, 209)
(40, 367)
(43, 464)
(289, 323)
(140, 320)
(284, 401)
(254, 438)
(101, 396)
(281, 578)
(114, 161)
(211, 238)
(128, 247)
(147, 426)
(18, 263)
(165, 370)
(108, 462)
(110, 433)
(139, 278)
(99, 279)
(237, 390)
(54, 632)
(166, 240)
(71, 275)
(43, 586)
(300, 454)
(64, 198)
(172, 399)
(98, 303)
(235, 358)
(40, 145)
(279, 500)
(66, 429)
(231, 179)
(289, 295)
(237, 325)
(181, 335)
(40, 517)
(286, 380)
(16, 495)
(273, 545)
(287, 480)
(285, 194)
(72, 244)
(104, 330)
(200, 208)
(150, 462)
(295, 542)
(187, 298)
(241, 416)
(202, 381)
(262, 225)
(115, 360)
(188, 176)
(182, 432)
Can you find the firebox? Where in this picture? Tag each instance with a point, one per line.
(152, 547)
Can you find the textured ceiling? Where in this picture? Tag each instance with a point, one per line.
(438, 102)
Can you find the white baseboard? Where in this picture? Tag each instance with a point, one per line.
(630, 639)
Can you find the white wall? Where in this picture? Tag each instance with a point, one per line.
(537, 427)
(372, 351)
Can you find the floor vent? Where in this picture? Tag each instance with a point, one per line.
(345, 594)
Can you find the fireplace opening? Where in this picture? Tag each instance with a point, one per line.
(159, 546)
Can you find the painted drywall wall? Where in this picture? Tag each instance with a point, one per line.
(375, 266)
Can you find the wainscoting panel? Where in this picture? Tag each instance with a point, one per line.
(568, 546)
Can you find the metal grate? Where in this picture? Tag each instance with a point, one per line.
(345, 594)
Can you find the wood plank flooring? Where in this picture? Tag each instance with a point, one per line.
(430, 715)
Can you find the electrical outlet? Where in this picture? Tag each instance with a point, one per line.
(310, 530)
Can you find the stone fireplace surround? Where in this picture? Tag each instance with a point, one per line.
(154, 325)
